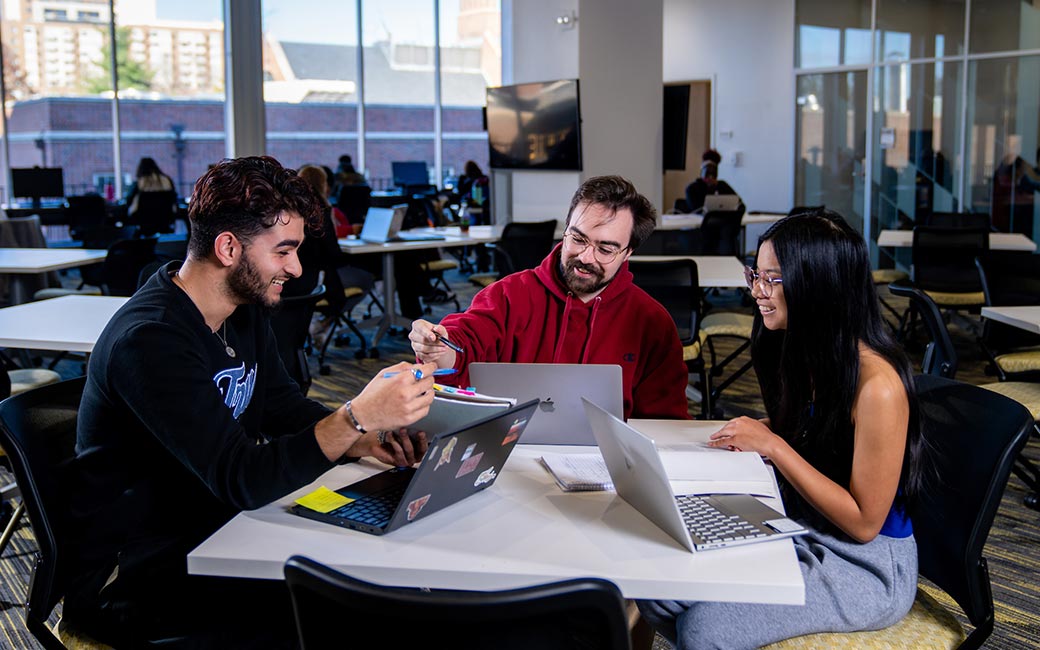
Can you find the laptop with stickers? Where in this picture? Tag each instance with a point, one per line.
(457, 464)
(559, 388)
(698, 522)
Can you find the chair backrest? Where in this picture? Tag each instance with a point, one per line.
(156, 212)
(940, 357)
(583, 612)
(523, 245)
(148, 270)
(720, 233)
(38, 432)
(1009, 279)
(944, 258)
(83, 213)
(969, 220)
(974, 436)
(291, 324)
(124, 262)
(354, 202)
(676, 285)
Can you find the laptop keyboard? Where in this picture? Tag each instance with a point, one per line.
(712, 525)
(374, 509)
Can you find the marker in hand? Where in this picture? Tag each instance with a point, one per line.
(448, 343)
(419, 373)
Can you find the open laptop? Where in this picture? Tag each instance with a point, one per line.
(721, 202)
(383, 225)
(697, 522)
(457, 464)
(558, 387)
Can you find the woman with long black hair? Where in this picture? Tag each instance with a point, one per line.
(843, 434)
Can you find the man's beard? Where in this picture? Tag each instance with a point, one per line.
(248, 287)
(582, 285)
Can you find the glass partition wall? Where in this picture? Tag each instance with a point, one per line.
(949, 93)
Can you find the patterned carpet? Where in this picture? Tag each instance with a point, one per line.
(1012, 549)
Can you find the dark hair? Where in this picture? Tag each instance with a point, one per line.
(147, 167)
(712, 155)
(246, 196)
(809, 372)
(472, 169)
(616, 193)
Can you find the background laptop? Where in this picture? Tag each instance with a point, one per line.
(457, 464)
(559, 388)
(697, 522)
(383, 225)
(721, 202)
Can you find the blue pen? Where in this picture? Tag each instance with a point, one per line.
(419, 373)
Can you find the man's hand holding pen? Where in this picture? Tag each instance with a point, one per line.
(431, 344)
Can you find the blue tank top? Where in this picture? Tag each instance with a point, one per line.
(897, 523)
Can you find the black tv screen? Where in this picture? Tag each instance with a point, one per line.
(535, 126)
(37, 182)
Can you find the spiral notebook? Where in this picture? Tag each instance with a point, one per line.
(578, 472)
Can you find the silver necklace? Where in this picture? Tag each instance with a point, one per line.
(223, 339)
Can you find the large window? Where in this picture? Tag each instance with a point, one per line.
(831, 33)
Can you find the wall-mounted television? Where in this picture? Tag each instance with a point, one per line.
(535, 126)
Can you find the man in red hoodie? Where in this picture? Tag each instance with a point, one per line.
(578, 306)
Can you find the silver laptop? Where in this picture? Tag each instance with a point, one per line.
(560, 419)
(721, 202)
(697, 522)
(383, 225)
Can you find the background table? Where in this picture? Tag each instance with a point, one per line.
(713, 271)
(999, 241)
(68, 323)
(1027, 318)
(522, 531)
(40, 260)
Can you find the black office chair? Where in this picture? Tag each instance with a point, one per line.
(523, 246)
(357, 283)
(291, 325)
(943, 264)
(579, 613)
(940, 360)
(84, 213)
(1010, 279)
(957, 220)
(354, 202)
(123, 265)
(720, 233)
(38, 431)
(974, 436)
(676, 285)
(155, 213)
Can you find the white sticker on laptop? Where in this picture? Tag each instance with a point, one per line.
(486, 476)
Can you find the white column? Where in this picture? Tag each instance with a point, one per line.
(243, 68)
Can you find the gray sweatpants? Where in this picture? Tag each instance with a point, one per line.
(848, 587)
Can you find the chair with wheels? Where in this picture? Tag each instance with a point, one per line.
(84, 213)
(940, 359)
(38, 431)
(354, 202)
(975, 436)
(155, 213)
(291, 325)
(577, 613)
(1010, 279)
(523, 246)
(357, 283)
(675, 284)
(719, 233)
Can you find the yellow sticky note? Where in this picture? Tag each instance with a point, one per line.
(323, 500)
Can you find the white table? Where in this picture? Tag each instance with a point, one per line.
(68, 323)
(687, 221)
(452, 237)
(521, 532)
(713, 271)
(999, 241)
(1027, 318)
(20, 261)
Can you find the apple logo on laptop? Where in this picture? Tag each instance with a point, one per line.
(547, 405)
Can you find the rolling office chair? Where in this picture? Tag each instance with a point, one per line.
(940, 360)
(84, 213)
(523, 246)
(578, 613)
(1010, 279)
(155, 213)
(38, 430)
(974, 436)
(291, 326)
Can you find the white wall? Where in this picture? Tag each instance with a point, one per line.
(746, 48)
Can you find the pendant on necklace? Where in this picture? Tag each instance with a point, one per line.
(230, 351)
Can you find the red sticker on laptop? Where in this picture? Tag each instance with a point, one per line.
(469, 465)
(416, 506)
(446, 453)
(514, 431)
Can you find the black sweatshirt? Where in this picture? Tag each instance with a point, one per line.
(175, 436)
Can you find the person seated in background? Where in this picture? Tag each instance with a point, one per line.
(708, 183)
(346, 174)
(149, 178)
(474, 189)
(189, 417)
(579, 306)
(320, 252)
(843, 433)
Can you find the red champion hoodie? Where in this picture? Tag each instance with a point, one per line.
(531, 317)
